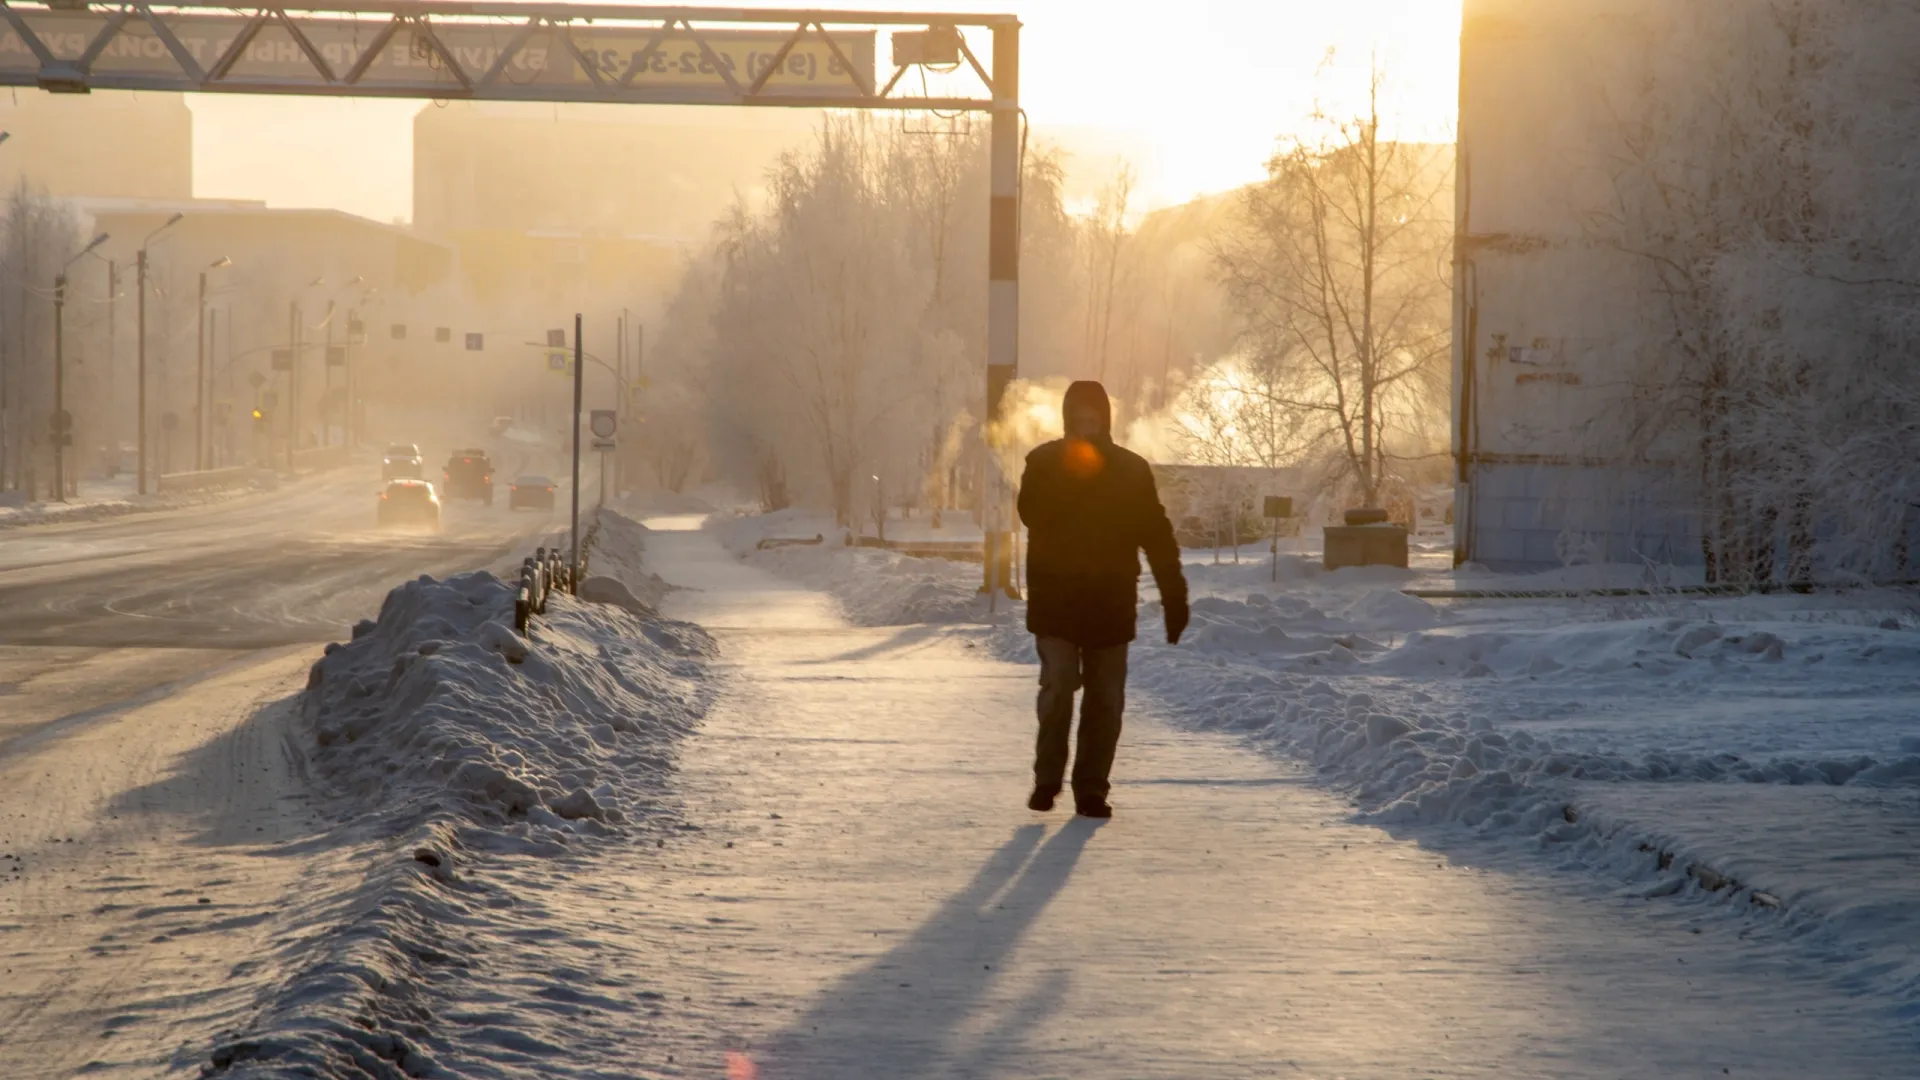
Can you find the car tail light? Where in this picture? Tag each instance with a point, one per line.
(549, 487)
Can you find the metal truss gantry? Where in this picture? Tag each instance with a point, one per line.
(556, 52)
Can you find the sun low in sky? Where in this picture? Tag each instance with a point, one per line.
(1195, 93)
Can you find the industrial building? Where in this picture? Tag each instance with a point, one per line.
(1545, 308)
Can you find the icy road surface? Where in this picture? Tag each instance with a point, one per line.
(866, 896)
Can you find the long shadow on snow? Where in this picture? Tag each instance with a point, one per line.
(896, 1017)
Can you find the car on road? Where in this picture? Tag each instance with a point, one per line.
(468, 475)
(402, 461)
(531, 491)
(409, 502)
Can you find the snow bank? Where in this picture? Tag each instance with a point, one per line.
(875, 587)
(441, 686)
(101, 500)
(454, 752)
(618, 549)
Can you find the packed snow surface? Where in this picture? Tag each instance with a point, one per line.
(1498, 723)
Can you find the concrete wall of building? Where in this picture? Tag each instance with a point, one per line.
(103, 144)
(1546, 311)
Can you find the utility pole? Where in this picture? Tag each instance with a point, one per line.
(213, 346)
(142, 375)
(579, 378)
(293, 380)
(200, 370)
(1003, 305)
(62, 423)
(60, 426)
(200, 377)
(113, 362)
(350, 415)
(620, 362)
(326, 380)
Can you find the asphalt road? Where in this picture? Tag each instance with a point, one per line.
(95, 614)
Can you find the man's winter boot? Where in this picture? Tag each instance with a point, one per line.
(1094, 809)
(1042, 798)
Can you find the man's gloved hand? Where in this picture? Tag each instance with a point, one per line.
(1177, 616)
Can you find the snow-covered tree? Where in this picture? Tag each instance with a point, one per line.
(1769, 188)
(1339, 272)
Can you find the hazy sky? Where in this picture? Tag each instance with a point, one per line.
(1201, 88)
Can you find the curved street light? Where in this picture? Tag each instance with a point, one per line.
(141, 263)
(200, 371)
(62, 423)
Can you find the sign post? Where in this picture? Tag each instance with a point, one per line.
(579, 376)
(1277, 507)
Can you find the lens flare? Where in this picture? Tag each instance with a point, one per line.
(1083, 459)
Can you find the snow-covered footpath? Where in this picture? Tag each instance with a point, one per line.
(1759, 754)
(459, 759)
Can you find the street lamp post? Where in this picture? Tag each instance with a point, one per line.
(352, 420)
(62, 423)
(200, 370)
(141, 376)
(293, 374)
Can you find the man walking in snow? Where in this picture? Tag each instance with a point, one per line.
(1090, 508)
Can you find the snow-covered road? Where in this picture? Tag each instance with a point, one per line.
(870, 895)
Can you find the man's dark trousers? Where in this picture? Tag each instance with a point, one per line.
(1102, 673)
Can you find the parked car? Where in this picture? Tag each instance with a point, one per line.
(409, 502)
(402, 461)
(468, 475)
(531, 491)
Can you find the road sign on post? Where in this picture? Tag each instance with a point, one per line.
(282, 360)
(1277, 507)
(604, 423)
(476, 342)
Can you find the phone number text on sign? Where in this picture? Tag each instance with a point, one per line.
(678, 60)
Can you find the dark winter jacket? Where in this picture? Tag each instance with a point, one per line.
(1090, 508)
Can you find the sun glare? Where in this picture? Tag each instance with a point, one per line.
(1194, 95)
